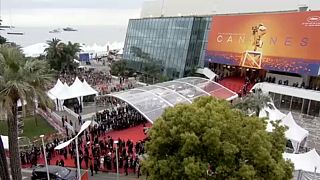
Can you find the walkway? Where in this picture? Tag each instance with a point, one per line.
(235, 84)
(312, 124)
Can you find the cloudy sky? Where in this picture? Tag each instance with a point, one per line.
(111, 12)
(69, 12)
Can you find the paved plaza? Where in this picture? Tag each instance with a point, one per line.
(312, 124)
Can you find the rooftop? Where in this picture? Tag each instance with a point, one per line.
(152, 100)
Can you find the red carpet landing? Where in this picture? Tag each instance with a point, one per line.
(134, 133)
(234, 83)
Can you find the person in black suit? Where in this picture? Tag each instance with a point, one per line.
(61, 163)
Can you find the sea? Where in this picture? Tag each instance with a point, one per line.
(85, 35)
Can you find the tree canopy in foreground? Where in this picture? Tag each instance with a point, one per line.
(210, 140)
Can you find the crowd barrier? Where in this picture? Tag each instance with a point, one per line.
(52, 119)
(71, 112)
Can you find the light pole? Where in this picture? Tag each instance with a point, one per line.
(45, 156)
(78, 163)
(65, 144)
(116, 143)
(77, 149)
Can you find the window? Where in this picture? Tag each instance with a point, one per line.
(314, 108)
(305, 106)
(285, 102)
(296, 104)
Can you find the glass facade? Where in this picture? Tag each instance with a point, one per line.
(173, 46)
(291, 103)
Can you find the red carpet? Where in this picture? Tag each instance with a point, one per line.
(134, 133)
(234, 83)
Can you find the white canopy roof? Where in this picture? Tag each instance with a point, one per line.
(64, 93)
(79, 88)
(295, 133)
(151, 101)
(5, 141)
(88, 88)
(306, 161)
(56, 88)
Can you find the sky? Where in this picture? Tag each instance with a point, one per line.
(112, 12)
(69, 12)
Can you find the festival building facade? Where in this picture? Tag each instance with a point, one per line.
(279, 47)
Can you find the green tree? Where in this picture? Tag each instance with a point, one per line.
(24, 80)
(253, 102)
(3, 40)
(54, 54)
(4, 173)
(61, 55)
(187, 139)
(119, 68)
(71, 51)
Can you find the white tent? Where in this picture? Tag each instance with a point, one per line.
(65, 93)
(60, 94)
(79, 88)
(55, 90)
(306, 161)
(295, 133)
(89, 89)
(56, 87)
(5, 141)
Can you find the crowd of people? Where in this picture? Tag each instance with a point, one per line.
(295, 84)
(245, 88)
(97, 151)
(119, 116)
(93, 78)
(101, 81)
(32, 157)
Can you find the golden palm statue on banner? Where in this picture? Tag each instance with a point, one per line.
(258, 32)
(252, 58)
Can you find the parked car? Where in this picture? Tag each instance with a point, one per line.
(55, 173)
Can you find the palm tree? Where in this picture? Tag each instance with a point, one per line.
(54, 53)
(3, 40)
(70, 53)
(255, 101)
(61, 55)
(24, 80)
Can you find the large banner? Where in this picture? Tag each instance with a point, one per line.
(287, 42)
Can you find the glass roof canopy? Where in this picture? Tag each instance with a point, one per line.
(152, 100)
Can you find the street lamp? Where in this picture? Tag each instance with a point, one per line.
(78, 163)
(116, 142)
(45, 156)
(65, 144)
